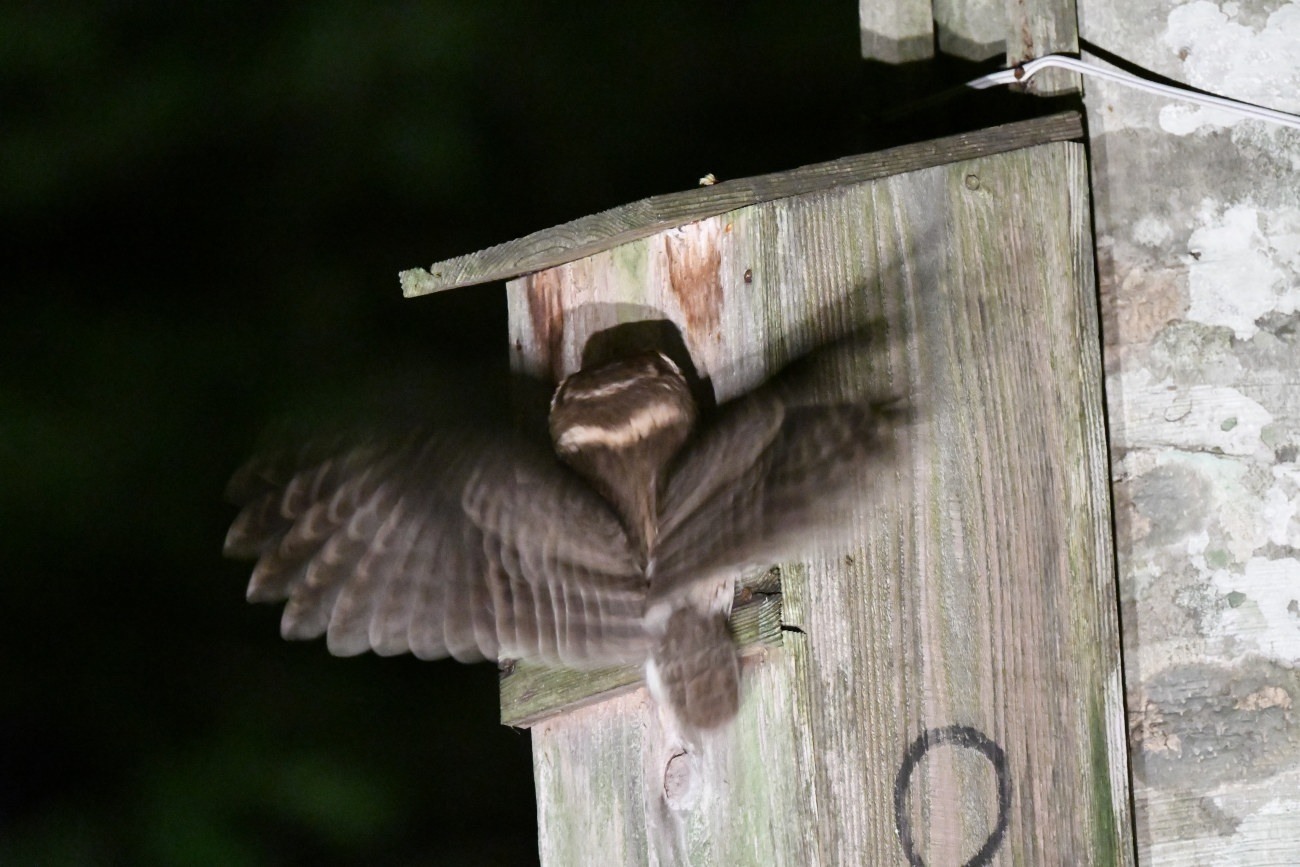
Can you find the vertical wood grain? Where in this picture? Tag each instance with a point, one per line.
(973, 633)
(1036, 28)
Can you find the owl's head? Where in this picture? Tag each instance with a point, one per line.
(619, 425)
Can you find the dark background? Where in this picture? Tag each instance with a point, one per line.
(203, 210)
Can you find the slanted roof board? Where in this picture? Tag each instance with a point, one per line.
(592, 234)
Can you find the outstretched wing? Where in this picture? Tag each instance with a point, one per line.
(441, 544)
(776, 476)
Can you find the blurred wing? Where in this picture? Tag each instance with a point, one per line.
(441, 545)
(772, 479)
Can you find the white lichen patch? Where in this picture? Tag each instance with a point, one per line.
(1212, 42)
(1159, 414)
(1280, 512)
(1260, 615)
(1204, 529)
(1181, 118)
(1243, 264)
(1271, 828)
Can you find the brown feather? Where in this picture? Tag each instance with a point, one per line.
(476, 545)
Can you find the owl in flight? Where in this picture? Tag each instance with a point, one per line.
(625, 549)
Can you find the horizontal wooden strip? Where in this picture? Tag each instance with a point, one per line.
(531, 692)
(586, 235)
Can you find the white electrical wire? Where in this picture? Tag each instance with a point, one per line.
(1025, 71)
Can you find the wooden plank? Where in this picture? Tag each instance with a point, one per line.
(587, 235)
(1197, 220)
(896, 32)
(971, 29)
(962, 667)
(1039, 27)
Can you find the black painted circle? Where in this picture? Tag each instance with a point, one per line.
(960, 736)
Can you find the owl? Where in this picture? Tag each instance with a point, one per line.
(618, 542)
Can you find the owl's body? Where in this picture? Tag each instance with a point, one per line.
(480, 546)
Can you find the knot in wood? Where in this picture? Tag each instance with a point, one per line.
(681, 781)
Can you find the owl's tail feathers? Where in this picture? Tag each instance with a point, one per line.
(694, 670)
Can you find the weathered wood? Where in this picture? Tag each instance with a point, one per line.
(1036, 28)
(588, 235)
(1197, 216)
(971, 29)
(980, 607)
(899, 32)
(896, 32)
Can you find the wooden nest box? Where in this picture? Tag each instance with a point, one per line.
(952, 690)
